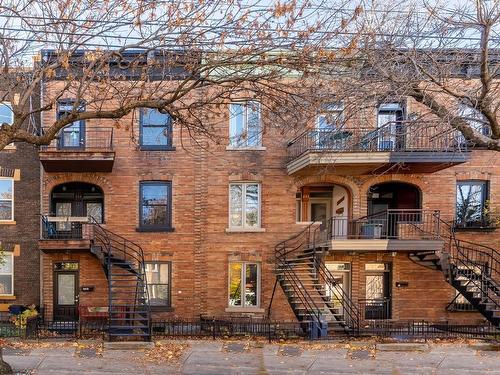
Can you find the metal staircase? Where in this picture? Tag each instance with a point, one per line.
(123, 264)
(472, 269)
(317, 300)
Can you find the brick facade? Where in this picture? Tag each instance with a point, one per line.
(200, 247)
(21, 236)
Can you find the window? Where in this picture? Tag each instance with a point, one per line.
(156, 130)
(244, 284)
(72, 135)
(245, 127)
(155, 205)
(390, 133)
(244, 205)
(7, 274)
(6, 199)
(158, 276)
(474, 118)
(6, 113)
(471, 202)
(331, 117)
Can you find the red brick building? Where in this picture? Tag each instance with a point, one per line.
(208, 220)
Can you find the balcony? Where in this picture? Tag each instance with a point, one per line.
(65, 233)
(412, 147)
(391, 230)
(83, 150)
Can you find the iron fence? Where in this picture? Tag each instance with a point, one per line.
(82, 139)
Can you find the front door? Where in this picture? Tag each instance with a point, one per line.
(378, 291)
(320, 210)
(66, 291)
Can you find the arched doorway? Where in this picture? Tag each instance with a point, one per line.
(393, 196)
(77, 199)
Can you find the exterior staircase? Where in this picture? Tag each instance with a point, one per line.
(123, 264)
(472, 269)
(315, 297)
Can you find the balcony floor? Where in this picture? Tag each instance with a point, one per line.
(59, 245)
(359, 163)
(369, 245)
(77, 161)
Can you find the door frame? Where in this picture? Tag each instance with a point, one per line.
(55, 290)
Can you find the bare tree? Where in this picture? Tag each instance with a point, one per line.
(444, 57)
(183, 57)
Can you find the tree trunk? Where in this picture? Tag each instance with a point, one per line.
(4, 366)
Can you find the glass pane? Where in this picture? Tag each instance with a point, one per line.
(6, 266)
(71, 135)
(154, 215)
(374, 286)
(251, 285)
(236, 209)
(236, 123)
(5, 284)
(253, 124)
(470, 201)
(6, 189)
(5, 210)
(252, 205)
(158, 295)
(155, 136)
(318, 212)
(235, 284)
(154, 194)
(157, 273)
(66, 289)
(6, 114)
(151, 116)
(63, 209)
(94, 210)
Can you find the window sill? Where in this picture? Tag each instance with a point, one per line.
(256, 310)
(162, 309)
(474, 229)
(8, 222)
(245, 230)
(146, 148)
(7, 297)
(142, 229)
(254, 148)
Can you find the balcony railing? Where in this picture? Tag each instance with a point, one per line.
(64, 228)
(409, 224)
(397, 136)
(91, 139)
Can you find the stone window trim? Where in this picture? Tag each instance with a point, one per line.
(244, 227)
(9, 254)
(244, 307)
(11, 220)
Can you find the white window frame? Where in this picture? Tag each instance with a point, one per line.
(243, 206)
(12, 200)
(332, 109)
(11, 255)
(243, 282)
(236, 141)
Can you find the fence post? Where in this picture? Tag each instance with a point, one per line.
(213, 328)
(269, 331)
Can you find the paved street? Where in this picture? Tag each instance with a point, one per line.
(253, 357)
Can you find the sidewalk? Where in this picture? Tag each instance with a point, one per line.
(252, 357)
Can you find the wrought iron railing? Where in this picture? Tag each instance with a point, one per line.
(89, 139)
(393, 136)
(375, 308)
(390, 224)
(64, 228)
